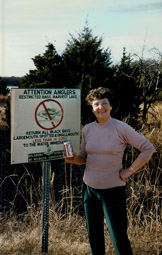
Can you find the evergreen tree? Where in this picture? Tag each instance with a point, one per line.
(87, 65)
(83, 64)
(126, 91)
(49, 72)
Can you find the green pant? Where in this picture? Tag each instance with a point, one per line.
(110, 203)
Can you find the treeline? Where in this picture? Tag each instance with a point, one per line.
(7, 82)
(12, 81)
(84, 64)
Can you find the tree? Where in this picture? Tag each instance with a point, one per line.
(87, 65)
(149, 81)
(126, 90)
(49, 71)
(83, 64)
(136, 85)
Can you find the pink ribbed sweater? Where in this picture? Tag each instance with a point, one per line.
(103, 146)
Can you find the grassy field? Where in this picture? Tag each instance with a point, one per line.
(21, 234)
(68, 235)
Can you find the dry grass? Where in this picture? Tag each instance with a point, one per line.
(68, 235)
(22, 235)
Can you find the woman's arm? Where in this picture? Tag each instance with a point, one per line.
(146, 148)
(136, 165)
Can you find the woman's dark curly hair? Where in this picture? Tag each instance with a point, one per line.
(100, 93)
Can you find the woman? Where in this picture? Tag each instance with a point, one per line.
(102, 147)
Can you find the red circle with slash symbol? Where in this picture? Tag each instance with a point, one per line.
(49, 114)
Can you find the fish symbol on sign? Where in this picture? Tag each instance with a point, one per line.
(52, 112)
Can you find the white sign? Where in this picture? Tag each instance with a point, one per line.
(41, 121)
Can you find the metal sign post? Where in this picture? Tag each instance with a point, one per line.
(46, 188)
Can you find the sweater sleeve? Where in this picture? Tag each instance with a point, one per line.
(130, 136)
(83, 152)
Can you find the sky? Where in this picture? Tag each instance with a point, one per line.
(27, 26)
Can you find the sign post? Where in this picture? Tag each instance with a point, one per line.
(41, 121)
(46, 189)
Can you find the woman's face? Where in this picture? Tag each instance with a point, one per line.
(101, 109)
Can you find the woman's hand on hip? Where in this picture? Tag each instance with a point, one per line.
(125, 174)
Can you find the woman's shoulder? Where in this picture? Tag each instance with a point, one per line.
(120, 123)
(89, 125)
(122, 126)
